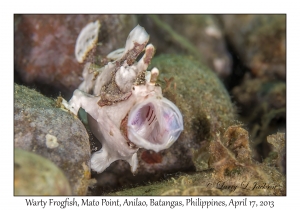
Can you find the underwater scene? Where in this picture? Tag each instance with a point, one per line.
(150, 105)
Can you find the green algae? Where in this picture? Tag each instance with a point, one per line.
(230, 174)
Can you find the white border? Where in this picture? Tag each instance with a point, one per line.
(8, 8)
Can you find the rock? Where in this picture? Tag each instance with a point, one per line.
(35, 175)
(260, 41)
(198, 35)
(45, 46)
(200, 96)
(206, 109)
(44, 129)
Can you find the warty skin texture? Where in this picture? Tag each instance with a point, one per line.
(127, 110)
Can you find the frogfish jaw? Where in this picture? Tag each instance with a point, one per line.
(154, 124)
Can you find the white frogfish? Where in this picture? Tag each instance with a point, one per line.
(126, 109)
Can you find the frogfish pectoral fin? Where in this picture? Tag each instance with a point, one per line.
(101, 160)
